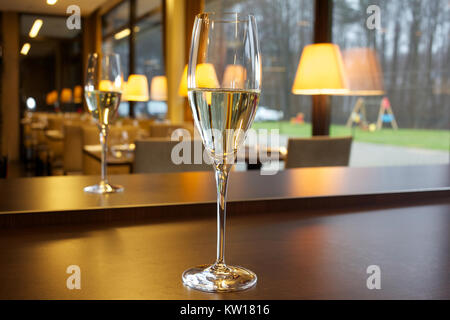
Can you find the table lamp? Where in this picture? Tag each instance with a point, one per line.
(136, 88)
(182, 89)
(158, 88)
(320, 73)
(363, 71)
(234, 76)
(66, 95)
(51, 97)
(364, 78)
(78, 94)
(106, 85)
(205, 75)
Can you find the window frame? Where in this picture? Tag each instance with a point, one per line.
(132, 23)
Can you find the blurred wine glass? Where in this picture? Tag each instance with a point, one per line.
(102, 91)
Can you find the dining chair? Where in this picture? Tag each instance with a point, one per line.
(129, 121)
(117, 134)
(123, 134)
(90, 135)
(165, 130)
(144, 127)
(73, 149)
(318, 152)
(55, 122)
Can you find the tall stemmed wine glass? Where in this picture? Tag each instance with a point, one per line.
(224, 82)
(103, 89)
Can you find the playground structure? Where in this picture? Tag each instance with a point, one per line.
(359, 115)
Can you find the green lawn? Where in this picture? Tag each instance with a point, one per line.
(418, 138)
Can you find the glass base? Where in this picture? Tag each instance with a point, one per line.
(223, 278)
(102, 188)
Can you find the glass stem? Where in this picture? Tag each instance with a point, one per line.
(104, 143)
(222, 171)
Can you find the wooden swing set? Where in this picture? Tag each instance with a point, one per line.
(359, 114)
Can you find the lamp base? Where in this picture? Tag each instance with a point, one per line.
(321, 115)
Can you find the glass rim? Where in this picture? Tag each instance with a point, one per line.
(222, 17)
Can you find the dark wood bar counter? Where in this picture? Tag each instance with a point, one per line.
(51, 200)
(306, 233)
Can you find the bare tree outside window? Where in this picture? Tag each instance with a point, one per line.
(411, 41)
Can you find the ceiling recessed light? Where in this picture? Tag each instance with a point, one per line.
(25, 48)
(51, 2)
(122, 34)
(35, 28)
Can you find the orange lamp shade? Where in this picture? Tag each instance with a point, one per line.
(77, 94)
(363, 71)
(51, 97)
(124, 91)
(320, 71)
(205, 77)
(234, 77)
(158, 88)
(137, 88)
(106, 85)
(182, 89)
(66, 95)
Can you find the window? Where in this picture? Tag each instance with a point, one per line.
(115, 32)
(149, 54)
(116, 19)
(284, 28)
(408, 122)
(412, 48)
(53, 60)
(148, 45)
(146, 7)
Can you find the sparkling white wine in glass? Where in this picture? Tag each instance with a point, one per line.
(103, 105)
(102, 91)
(224, 84)
(228, 112)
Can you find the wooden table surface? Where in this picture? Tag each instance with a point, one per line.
(296, 255)
(54, 135)
(298, 250)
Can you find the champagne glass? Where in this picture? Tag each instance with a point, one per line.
(103, 89)
(224, 46)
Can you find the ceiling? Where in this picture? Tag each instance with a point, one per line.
(53, 27)
(41, 6)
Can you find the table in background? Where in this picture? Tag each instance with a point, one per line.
(117, 163)
(54, 135)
